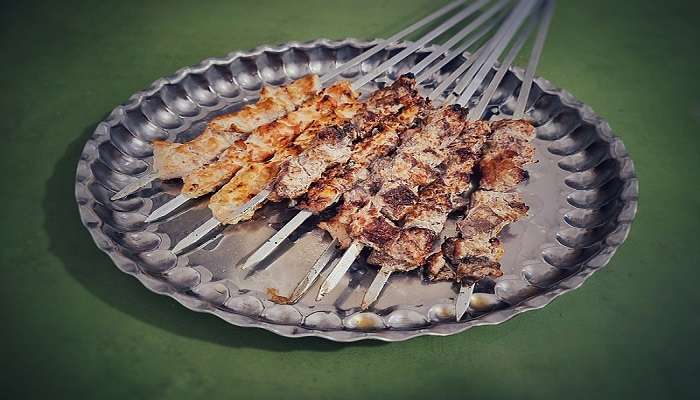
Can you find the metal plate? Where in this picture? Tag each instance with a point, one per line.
(582, 193)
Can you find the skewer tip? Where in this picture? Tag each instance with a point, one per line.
(463, 301)
(118, 196)
(248, 264)
(179, 247)
(321, 292)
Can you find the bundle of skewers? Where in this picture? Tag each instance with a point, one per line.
(385, 169)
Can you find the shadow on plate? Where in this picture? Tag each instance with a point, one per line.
(72, 244)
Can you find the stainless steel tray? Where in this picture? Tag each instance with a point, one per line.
(582, 193)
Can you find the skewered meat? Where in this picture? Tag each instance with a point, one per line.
(174, 160)
(386, 169)
(424, 221)
(326, 151)
(254, 177)
(413, 165)
(297, 175)
(264, 141)
(476, 253)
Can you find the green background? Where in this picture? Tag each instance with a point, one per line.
(75, 326)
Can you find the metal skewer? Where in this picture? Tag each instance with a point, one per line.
(386, 42)
(305, 284)
(272, 243)
(534, 60)
(376, 287)
(474, 77)
(458, 51)
(135, 185)
(153, 175)
(464, 298)
(192, 239)
(444, 49)
(442, 28)
(167, 208)
(205, 229)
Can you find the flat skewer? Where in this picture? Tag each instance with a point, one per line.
(459, 36)
(271, 244)
(444, 27)
(340, 269)
(206, 229)
(376, 287)
(478, 111)
(305, 284)
(423, 76)
(135, 185)
(534, 60)
(386, 42)
(152, 175)
(464, 298)
(167, 208)
(262, 196)
(499, 44)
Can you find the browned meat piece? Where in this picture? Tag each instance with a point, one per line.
(500, 173)
(378, 118)
(477, 268)
(332, 146)
(175, 160)
(372, 228)
(406, 251)
(338, 225)
(270, 138)
(425, 219)
(437, 268)
(490, 213)
(508, 150)
(476, 254)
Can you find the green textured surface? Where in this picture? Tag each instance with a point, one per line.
(75, 326)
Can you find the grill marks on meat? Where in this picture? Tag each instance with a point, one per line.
(475, 254)
(405, 251)
(508, 150)
(367, 212)
(175, 160)
(301, 172)
(254, 177)
(424, 221)
(266, 140)
(330, 144)
(416, 160)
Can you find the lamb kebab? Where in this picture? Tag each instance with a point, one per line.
(474, 254)
(423, 222)
(438, 200)
(226, 205)
(175, 160)
(500, 169)
(465, 293)
(394, 187)
(259, 146)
